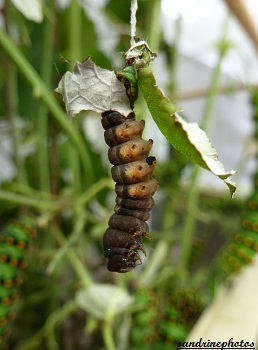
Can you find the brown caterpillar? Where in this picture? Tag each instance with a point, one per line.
(135, 186)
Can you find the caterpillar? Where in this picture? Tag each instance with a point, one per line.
(132, 172)
(160, 323)
(15, 242)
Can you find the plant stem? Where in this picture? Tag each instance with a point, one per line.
(73, 257)
(74, 163)
(30, 192)
(193, 198)
(30, 202)
(12, 114)
(190, 219)
(93, 190)
(154, 25)
(75, 44)
(75, 37)
(57, 316)
(150, 273)
(34, 342)
(42, 118)
(107, 333)
(41, 91)
(11, 100)
(153, 30)
(173, 58)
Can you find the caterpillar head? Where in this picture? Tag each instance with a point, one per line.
(120, 263)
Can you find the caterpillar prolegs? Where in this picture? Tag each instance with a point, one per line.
(132, 171)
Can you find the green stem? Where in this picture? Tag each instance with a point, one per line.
(30, 202)
(153, 30)
(74, 54)
(212, 94)
(73, 257)
(154, 25)
(41, 91)
(74, 164)
(58, 316)
(11, 100)
(152, 270)
(173, 58)
(107, 333)
(19, 188)
(42, 117)
(12, 115)
(193, 198)
(75, 37)
(168, 219)
(93, 190)
(33, 342)
(190, 218)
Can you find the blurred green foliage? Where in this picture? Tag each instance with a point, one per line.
(62, 179)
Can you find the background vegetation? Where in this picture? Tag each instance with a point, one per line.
(53, 172)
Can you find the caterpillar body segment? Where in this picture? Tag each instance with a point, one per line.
(132, 171)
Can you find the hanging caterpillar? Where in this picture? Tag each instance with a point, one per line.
(132, 171)
(15, 242)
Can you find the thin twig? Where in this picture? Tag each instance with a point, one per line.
(203, 92)
(134, 8)
(246, 19)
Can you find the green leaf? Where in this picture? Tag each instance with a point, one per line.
(128, 77)
(186, 137)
